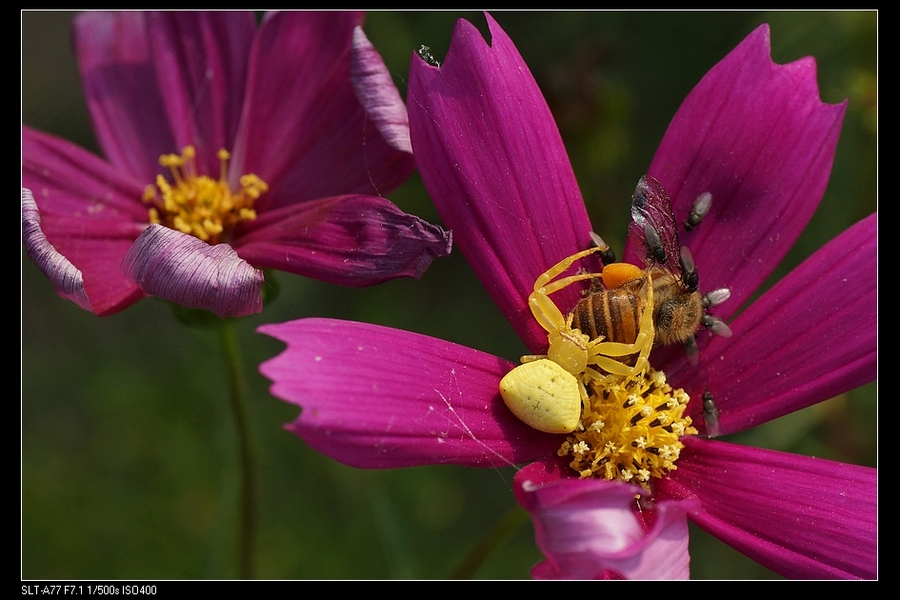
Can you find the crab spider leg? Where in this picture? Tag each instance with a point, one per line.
(557, 269)
(574, 350)
(545, 310)
(555, 286)
(619, 348)
(613, 366)
(546, 313)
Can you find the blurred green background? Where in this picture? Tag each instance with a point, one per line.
(128, 456)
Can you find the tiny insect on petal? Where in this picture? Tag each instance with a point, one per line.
(710, 415)
(543, 395)
(698, 211)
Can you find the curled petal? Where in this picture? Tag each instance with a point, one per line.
(817, 330)
(590, 529)
(123, 96)
(65, 277)
(348, 240)
(802, 517)
(758, 138)
(375, 397)
(494, 163)
(376, 92)
(180, 268)
(303, 129)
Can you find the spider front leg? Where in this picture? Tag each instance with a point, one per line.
(542, 307)
(567, 346)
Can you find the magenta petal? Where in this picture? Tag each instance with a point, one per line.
(180, 268)
(90, 212)
(811, 337)
(376, 397)
(588, 529)
(376, 92)
(303, 130)
(757, 136)
(65, 277)
(493, 162)
(801, 517)
(200, 61)
(125, 103)
(348, 240)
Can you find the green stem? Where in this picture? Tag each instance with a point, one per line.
(511, 521)
(237, 393)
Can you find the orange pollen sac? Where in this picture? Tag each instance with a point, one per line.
(617, 274)
(198, 204)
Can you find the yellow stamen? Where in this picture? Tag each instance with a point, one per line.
(198, 204)
(630, 428)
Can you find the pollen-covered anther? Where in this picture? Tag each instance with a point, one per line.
(198, 204)
(630, 429)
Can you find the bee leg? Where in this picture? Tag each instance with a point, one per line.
(606, 253)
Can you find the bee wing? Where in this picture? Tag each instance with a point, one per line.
(653, 223)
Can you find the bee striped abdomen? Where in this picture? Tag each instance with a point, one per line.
(613, 314)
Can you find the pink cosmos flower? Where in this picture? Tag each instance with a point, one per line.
(313, 132)
(755, 135)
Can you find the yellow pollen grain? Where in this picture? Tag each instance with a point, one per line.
(630, 429)
(198, 204)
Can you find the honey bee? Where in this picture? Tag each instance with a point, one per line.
(614, 326)
(679, 309)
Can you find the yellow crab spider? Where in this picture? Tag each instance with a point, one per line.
(546, 392)
(544, 396)
(626, 305)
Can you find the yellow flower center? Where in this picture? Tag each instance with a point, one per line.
(630, 429)
(622, 420)
(198, 204)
